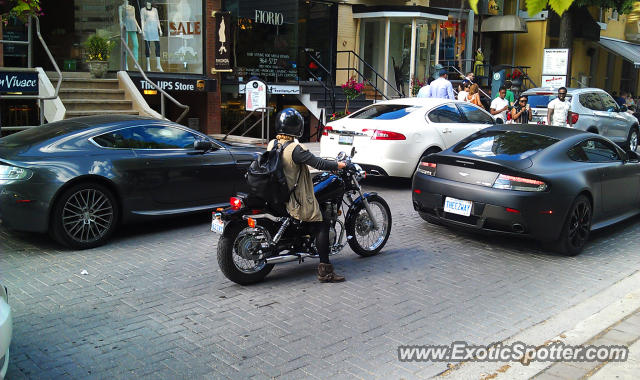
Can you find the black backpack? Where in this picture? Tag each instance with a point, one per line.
(266, 178)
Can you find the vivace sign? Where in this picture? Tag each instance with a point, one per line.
(18, 82)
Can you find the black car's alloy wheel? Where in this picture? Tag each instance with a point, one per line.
(84, 216)
(575, 231)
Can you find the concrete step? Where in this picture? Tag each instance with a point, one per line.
(70, 114)
(97, 105)
(90, 93)
(78, 83)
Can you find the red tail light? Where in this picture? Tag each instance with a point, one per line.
(236, 203)
(573, 116)
(513, 210)
(326, 129)
(386, 135)
(507, 182)
(428, 168)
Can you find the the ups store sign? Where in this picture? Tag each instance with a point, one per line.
(175, 84)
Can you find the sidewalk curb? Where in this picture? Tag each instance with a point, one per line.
(592, 315)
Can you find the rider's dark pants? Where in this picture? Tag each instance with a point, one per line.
(321, 231)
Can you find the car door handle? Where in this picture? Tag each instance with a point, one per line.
(446, 130)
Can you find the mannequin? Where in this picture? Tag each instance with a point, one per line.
(151, 31)
(127, 17)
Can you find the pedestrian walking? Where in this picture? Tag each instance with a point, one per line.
(474, 96)
(558, 109)
(521, 111)
(464, 91)
(500, 105)
(441, 87)
(425, 90)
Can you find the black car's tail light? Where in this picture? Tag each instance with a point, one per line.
(428, 168)
(507, 182)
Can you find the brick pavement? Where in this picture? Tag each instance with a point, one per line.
(155, 305)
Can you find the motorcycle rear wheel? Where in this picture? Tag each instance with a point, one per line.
(364, 240)
(231, 268)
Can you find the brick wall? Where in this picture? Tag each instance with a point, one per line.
(212, 124)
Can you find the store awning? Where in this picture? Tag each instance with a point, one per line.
(403, 11)
(627, 50)
(508, 24)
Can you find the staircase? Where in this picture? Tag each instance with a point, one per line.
(312, 95)
(88, 97)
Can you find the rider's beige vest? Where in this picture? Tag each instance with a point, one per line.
(308, 209)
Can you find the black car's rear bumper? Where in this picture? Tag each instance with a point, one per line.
(527, 215)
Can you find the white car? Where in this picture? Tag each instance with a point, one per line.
(6, 330)
(391, 137)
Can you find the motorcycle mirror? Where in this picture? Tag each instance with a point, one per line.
(341, 156)
(353, 151)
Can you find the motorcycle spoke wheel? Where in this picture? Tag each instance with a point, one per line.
(243, 264)
(367, 237)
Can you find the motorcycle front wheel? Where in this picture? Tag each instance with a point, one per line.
(365, 239)
(236, 268)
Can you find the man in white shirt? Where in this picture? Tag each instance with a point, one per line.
(425, 91)
(441, 87)
(558, 109)
(500, 105)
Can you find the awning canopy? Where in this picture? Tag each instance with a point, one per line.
(403, 11)
(627, 50)
(508, 24)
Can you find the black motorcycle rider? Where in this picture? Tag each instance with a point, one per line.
(302, 204)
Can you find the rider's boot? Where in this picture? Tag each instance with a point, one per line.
(326, 274)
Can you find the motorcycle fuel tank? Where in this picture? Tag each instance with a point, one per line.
(327, 186)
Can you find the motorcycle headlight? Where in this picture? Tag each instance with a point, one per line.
(12, 173)
(360, 173)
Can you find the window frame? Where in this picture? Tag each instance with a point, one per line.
(460, 105)
(604, 142)
(186, 129)
(454, 105)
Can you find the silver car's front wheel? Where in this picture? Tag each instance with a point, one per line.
(84, 216)
(632, 140)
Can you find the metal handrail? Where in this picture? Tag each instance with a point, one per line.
(461, 73)
(261, 110)
(163, 93)
(361, 75)
(41, 99)
(328, 89)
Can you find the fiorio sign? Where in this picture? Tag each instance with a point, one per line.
(269, 17)
(18, 82)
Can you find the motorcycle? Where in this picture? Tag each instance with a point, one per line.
(254, 238)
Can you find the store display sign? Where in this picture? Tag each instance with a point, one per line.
(223, 41)
(555, 62)
(255, 95)
(276, 89)
(16, 81)
(491, 7)
(554, 81)
(176, 84)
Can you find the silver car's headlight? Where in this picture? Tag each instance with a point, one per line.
(11, 173)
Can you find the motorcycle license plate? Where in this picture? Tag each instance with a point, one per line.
(345, 140)
(217, 225)
(457, 206)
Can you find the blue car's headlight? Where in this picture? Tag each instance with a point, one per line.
(12, 173)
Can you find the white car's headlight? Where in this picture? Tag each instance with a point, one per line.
(14, 173)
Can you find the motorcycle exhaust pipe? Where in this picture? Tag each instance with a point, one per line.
(288, 258)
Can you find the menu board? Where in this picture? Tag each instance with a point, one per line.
(256, 95)
(555, 62)
(274, 66)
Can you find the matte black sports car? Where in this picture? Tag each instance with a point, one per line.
(551, 184)
(80, 178)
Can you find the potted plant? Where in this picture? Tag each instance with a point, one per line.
(352, 90)
(416, 85)
(98, 49)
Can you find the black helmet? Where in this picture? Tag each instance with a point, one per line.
(289, 122)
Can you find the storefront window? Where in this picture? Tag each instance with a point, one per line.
(453, 38)
(164, 35)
